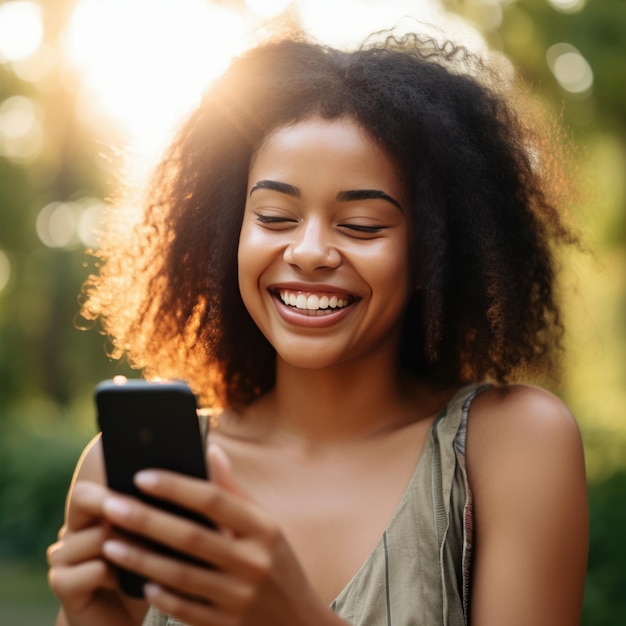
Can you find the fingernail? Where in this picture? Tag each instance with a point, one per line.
(151, 591)
(116, 508)
(114, 549)
(146, 478)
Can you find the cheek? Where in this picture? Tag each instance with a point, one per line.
(391, 279)
(390, 266)
(245, 265)
(253, 257)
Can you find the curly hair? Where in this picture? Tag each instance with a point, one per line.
(485, 218)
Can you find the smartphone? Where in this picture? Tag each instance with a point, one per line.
(149, 424)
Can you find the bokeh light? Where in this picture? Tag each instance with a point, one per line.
(70, 224)
(21, 129)
(5, 270)
(570, 68)
(568, 6)
(21, 29)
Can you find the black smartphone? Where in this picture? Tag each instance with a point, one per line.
(148, 424)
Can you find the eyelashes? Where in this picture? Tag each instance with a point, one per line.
(280, 223)
(274, 219)
(371, 230)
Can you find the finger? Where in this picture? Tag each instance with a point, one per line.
(249, 558)
(210, 500)
(82, 579)
(78, 547)
(186, 609)
(85, 505)
(172, 531)
(191, 580)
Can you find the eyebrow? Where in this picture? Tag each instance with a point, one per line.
(354, 195)
(274, 185)
(351, 195)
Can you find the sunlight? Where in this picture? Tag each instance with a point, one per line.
(267, 8)
(143, 63)
(328, 22)
(21, 29)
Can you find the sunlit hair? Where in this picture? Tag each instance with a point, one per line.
(482, 208)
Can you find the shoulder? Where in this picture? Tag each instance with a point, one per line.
(522, 407)
(520, 415)
(90, 465)
(526, 471)
(525, 435)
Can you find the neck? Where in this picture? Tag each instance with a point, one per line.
(345, 402)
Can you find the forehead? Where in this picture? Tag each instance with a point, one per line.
(338, 150)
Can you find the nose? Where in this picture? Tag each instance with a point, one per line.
(312, 248)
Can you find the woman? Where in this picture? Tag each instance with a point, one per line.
(347, 255)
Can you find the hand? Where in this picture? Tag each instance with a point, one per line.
(79, 575)
(251, 577)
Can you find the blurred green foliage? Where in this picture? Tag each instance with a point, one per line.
(48, 368)
(605, 602)
(36, 471)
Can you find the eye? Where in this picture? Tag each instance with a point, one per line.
(361, 231)
(275, 222)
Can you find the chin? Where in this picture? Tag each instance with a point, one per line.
(304, 359)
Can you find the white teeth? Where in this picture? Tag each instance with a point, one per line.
(312, 302)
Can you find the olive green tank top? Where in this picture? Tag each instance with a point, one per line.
(418, 574)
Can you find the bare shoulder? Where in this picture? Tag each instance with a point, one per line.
(90, 465)
(520, 419)
(524, 442)
(525, 405)
(526, 471)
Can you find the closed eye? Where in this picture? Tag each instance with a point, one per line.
(362, 228)
(274, 220)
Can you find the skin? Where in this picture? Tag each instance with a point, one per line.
(343, 427)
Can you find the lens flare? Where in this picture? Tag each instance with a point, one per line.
(21, 30)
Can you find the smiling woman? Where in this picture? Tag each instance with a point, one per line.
(348, 255)
(321, 225)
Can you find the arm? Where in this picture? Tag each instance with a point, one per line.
(526, 470)
(79, 574)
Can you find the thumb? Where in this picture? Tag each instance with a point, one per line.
(221, 471)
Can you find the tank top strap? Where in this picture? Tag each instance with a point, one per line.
(451, 494)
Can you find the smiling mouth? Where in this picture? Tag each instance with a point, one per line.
(314, 303)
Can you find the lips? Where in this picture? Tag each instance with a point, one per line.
(304, 307)
(306, 301)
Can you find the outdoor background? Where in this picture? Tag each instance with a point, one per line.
(90, 89)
